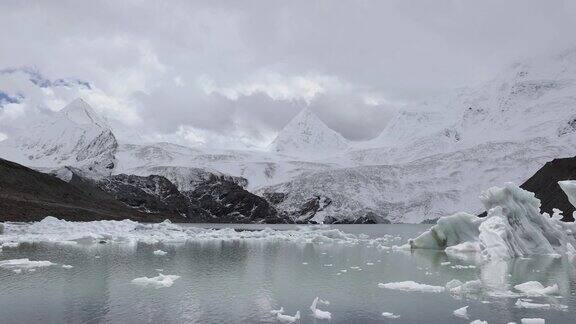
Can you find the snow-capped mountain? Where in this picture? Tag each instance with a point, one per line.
(426, 164)
(431, 160)
(74, 136)
(307, 136)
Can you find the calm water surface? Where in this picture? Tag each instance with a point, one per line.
(241, 281)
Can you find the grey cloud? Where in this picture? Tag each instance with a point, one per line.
(403, 50)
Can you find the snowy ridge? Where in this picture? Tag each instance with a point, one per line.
(307, 136)
(426, 164)
(429, 161)
(75, 136)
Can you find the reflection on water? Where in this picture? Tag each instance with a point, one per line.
(241, 281)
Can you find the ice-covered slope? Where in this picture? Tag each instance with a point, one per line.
(306, 136)
(75, 136)
(427, 164)
(183, 164)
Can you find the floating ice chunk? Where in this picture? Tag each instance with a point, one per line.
(459, 266)
(533, 321)
(478, 322)
(324, 302)
(160, 252)
(343, 270)
(469, 287)
(461, 312)
(287, 318)
(520, 303)
(514, 227)
(369, 263)
(304, 263)
(535, 288)
(445, 263)
(449, 231)
(277, 311)
(390, 315)
(157, 282)
(67, 266)
(328, 265)
(318, 313)
(17, 265)
(411, 286)
(9, 245)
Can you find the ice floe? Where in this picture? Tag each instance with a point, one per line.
(318, 313)
(535, 288)
(461, 312)
(67, 266)
(390, 315)
(411, 286)
(18, 265)
(287, 318)
(156, 282)
(51, 229)
(478, 322)
(160, 252)
(277, 311)
(522, 303)
(533, 321)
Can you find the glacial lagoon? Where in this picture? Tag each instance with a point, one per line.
(240, 273)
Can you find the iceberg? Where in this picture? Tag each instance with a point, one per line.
(160, 281)
(411, 286)
(533, 321)
(390, 315)
(514, 227)
(17, 265)
(461, 312)
(535, 288)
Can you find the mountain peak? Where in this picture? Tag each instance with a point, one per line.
(81, 113)
(308, 134)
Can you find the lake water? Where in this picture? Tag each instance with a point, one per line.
(240, 280)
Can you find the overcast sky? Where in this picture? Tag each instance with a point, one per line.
(232, 73)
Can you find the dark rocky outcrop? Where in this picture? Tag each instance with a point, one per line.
(544, 184)
(310, 208)
(227, 202)
(151, 194)
(29, 195)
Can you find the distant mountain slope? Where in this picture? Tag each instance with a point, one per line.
(74, 136)
(544, 184)
(307, 136)
(29, 195)
(426, 164)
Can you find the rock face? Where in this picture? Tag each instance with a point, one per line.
(29, 195)
(227, 202)
(151, 194)
(544, 184)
